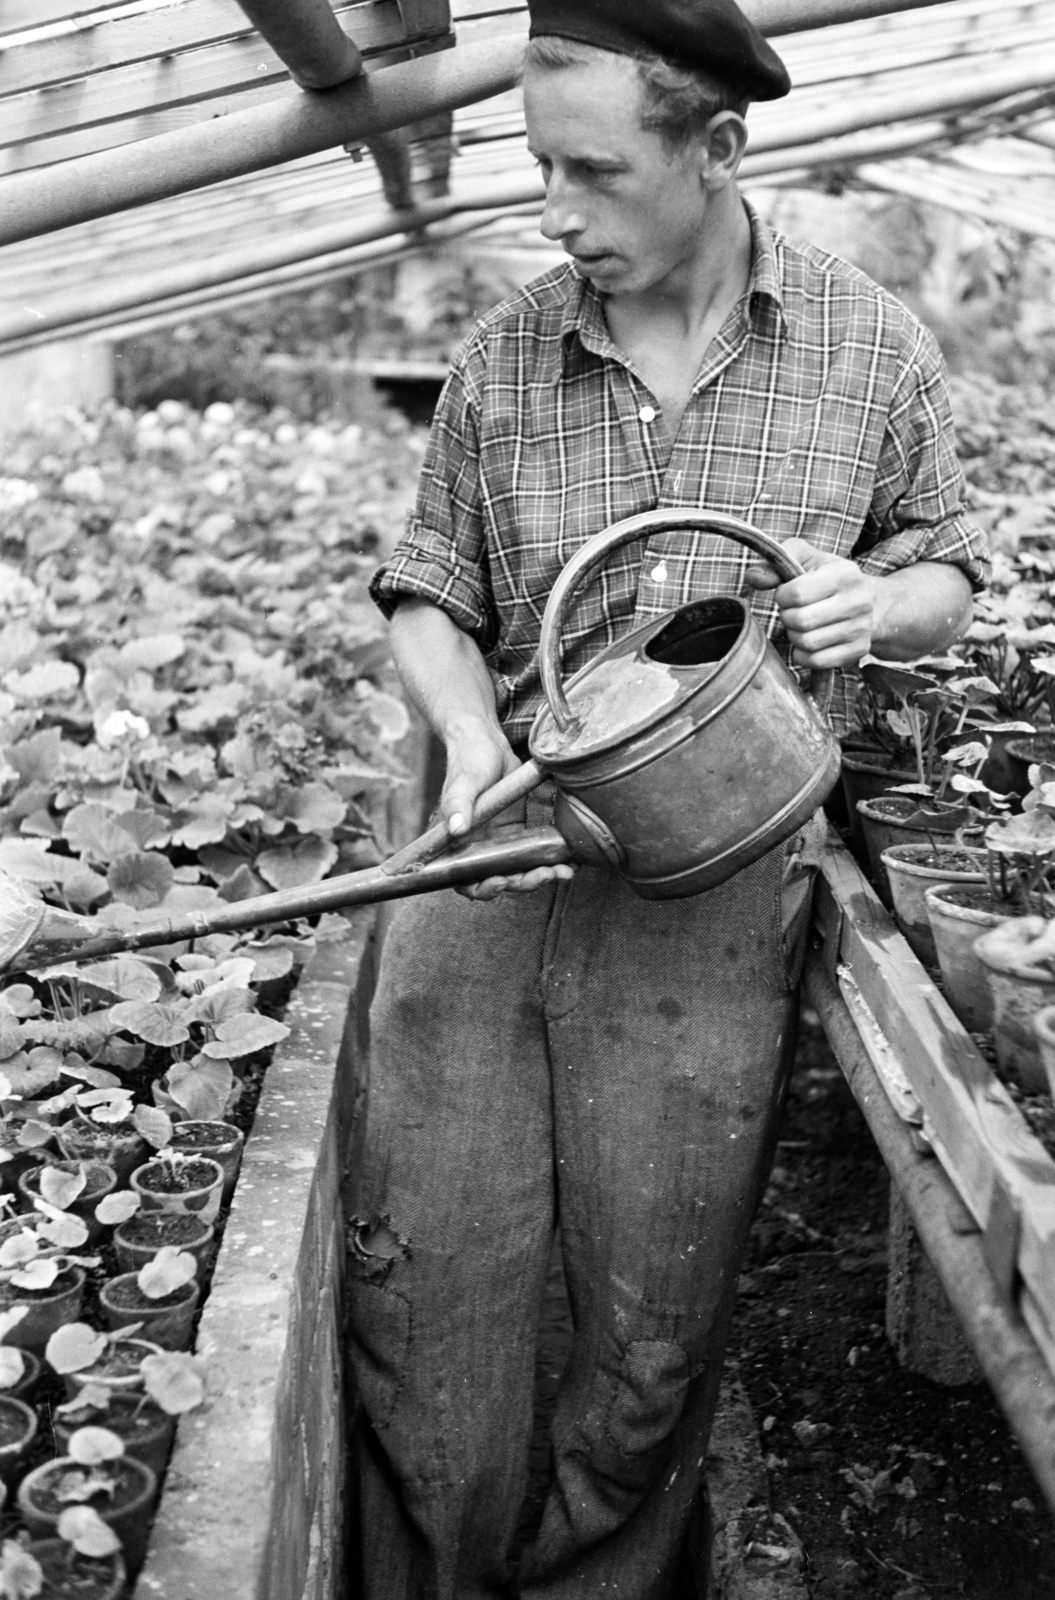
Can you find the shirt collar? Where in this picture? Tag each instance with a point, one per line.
(584, 322)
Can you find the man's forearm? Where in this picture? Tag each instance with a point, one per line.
(921, 610)
(442, 670)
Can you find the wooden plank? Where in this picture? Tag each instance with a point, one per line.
(185, 28)
(996, 1164)
(18, 16)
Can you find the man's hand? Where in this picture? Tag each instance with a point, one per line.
(829, 613)
(478, 754)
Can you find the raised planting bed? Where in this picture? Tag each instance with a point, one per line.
(985, 1207)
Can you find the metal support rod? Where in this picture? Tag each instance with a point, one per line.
(776, 17)
(308, 38)
(282, 129)
(1007, 1353)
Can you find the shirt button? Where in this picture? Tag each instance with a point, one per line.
(647, 413)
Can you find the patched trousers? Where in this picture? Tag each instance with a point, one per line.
(580, 1055)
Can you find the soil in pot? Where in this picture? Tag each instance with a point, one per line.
(167, 1321)
(48, 1308)
(912, 869)
(18, 1427)
(959, 914)
(100, 1180)
(220, 1141)
(68, 1576)
(117, 1368)
(125, 1503)
(146, 1430)
(866, 774)
(120, 1148)
(193, 1186)
(138, 1240)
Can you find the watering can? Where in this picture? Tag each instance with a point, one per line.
(679, 755)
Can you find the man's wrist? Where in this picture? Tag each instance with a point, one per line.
(469, 727)
(882, 629)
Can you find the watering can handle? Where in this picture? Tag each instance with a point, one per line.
(629, 531)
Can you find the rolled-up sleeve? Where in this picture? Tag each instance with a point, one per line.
(917, 511)
(442, 556)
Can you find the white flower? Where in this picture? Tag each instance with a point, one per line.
(119, 726)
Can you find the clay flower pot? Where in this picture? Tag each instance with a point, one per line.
(138, 1240)
(18, 1429)
(220, 1141)
(194, 1187)
(120, 1148)
(911, 870)
(166, 1322)
(24, 1385)
(1026, 751)
(147, 1431)
(1021, 986)
(885, 822)
(100, 1180)
(127, 1510)
(866, 774)
(958, 914)
(68, 1576)
(117, 1370)
(48, 1308)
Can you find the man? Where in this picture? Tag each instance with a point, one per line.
(574, 1053)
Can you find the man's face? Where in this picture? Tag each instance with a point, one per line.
(627, 211)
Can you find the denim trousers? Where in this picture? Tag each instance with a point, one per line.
(582, 1055)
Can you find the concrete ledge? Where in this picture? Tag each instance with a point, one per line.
(253, 1505)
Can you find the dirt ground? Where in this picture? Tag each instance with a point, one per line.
(898, 1488)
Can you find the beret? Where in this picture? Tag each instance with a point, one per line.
(710, 35)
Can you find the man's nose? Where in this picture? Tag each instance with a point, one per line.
(561, 215)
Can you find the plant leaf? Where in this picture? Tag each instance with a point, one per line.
(63, 1231)
(118, 1207)
(141, 879)
(21, 1575)
(201, 1087)
(36, 1274)
(19, 1248)
(123, 978)
(12, 1364)
(152, 1021)
(11, 1319)
(291, 866)
(74, 1347)
(173, 1381)
(244, 1035)
(154, 1125)
(170, 1269)
(85, 1529)
(90, 1447)
(60, 1188)
(92, 832)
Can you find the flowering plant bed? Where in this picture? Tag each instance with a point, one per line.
(193, 711)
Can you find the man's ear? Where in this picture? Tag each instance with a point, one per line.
(723, 145)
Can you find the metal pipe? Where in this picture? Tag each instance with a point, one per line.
(1007, 1353)
(283, 129)
(776, 17)
(309, 39)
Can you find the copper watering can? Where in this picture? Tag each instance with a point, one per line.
(679, 755)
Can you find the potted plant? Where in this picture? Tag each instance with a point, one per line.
(138, 1239)
(160, 1298)
(220, 1141)
(109, 1361)
(18, 1429)
(75, 1187)
(172, 1385)
(1019, 959)
(83, 1563)
(172, 1182)
(96, 1474)
(19, 1369)
(49, 1285)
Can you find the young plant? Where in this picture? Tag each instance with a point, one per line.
(1020, 850)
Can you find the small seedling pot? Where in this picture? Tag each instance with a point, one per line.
(127, 1511)
(1025, 751)
(168, 1321)
(118, 1371)
(911, 870)
(48, 1308)
(11, 1170)
(146, 1430)
(220, 1141)
(83, 1140)
(138, 1240)
(68, 1576)
(866, 774)
(884, 822)
(18, 1429)
(1020, 992)
(100, 1180)
(956, 923)
(195, 1188)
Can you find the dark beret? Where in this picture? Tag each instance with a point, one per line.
(711, 35)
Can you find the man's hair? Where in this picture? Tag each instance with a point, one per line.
(678, 101)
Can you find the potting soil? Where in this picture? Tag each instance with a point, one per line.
(78, 1579)
(180, 1178)
(125, 1477)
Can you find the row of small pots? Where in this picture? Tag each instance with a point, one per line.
(81, 1139)
(989, 983)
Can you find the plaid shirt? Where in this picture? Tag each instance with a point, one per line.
(820, 412)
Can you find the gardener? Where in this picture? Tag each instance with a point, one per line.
(577, 1053)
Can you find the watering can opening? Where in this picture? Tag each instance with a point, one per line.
(698, 634)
